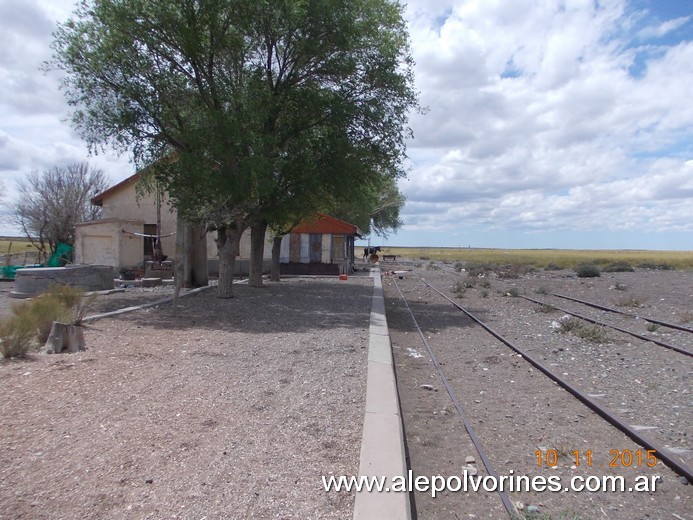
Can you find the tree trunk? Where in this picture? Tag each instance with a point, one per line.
(228, 240)
(65, 337)
(257, 253)
(276, 252)
(198, 257)
(180, 265)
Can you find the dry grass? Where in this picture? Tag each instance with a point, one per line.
(540, 258)
(20, 250)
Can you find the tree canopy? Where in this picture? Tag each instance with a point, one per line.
(51, 203)
(268, 107)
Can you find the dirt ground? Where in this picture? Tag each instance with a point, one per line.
(236, 408)
(230, 409)
(518, 413)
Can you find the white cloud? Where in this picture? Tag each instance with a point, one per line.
(658, 31)
(537, 122)
(544, 115)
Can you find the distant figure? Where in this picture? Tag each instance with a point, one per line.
(368, 251)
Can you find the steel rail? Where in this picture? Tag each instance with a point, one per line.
(507, 503)
(611, 309)
(603, 412)
(625, 331)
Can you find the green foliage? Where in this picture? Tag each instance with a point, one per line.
(459, 289)
(587, 271)
(246, 111)
(568, 324)
(577, 327)
(545, 308)
(651, 327)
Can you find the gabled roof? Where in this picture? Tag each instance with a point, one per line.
(98, 199)
(324, 224)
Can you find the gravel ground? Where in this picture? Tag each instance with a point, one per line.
(230, 409)
(235, 408)
(516, 410)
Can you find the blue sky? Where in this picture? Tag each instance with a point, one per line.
(550, 123)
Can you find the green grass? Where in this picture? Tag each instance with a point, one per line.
(20, 249)
(19, 245)
(541, 258)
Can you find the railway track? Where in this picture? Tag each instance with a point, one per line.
(614, 327)
(448, 373)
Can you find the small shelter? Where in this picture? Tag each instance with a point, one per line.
(319, 245)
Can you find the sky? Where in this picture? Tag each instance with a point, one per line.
(546, 123)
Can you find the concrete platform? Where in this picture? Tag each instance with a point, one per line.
(30, 282)
(382, 444)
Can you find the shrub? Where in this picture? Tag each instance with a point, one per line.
(593, 334)
(459, 289)
(545, 308)
(512, 292)
(658, 267)
(552, 267)
(587, 271)
(618, 267)
(629, 301)
(479, 268)
(31, 324)
(511, 271)
(18, 333)
(568, 324)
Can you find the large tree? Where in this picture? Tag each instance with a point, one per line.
(374, 209)
(261, 103)
(51, 203)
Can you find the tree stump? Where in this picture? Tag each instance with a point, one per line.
(65, 337)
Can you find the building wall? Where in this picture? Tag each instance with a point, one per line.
(102, 242)
(125, 204)
(295, 247)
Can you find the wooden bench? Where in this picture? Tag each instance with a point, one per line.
(390, 257)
